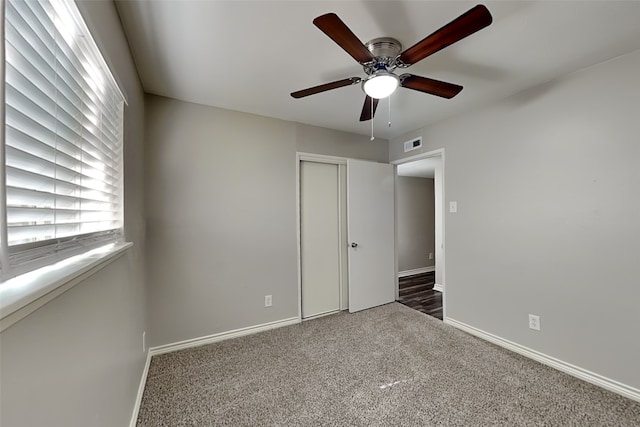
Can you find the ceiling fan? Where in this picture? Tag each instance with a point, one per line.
(380, 57)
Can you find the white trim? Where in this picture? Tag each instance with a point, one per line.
(438, 287)
(321, 158)
(421, 270)
(568, 368)
(210, 339)
(420, 156)
(4, 258)
(24, 294)
(395, 232)
(196, 342)
(440, 209)
(318, 158)
(143, 382)
(340, 236)
(298, 235)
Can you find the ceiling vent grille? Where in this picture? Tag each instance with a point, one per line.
(413, 144)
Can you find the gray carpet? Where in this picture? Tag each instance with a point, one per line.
(388, 366)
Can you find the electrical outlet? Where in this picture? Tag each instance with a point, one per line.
(144, 341)
(268, 300)
(534, 322)
(430, 255)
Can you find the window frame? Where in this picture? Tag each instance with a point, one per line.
(51, 251)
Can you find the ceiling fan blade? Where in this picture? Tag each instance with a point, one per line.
(431, 86)
(473, 20)
(338, 31)
(366, 109)
(325, 87)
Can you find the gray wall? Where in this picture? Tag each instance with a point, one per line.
(416, 223)
(313, 139)
(78, 360)
(221, 214)
(547, 188)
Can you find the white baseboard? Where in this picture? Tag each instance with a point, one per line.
(568, 368)
(143, 381)
(416, 271)
(209, 339)
(438, 287)
(195, 342)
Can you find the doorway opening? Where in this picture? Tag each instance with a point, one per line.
(420, 232)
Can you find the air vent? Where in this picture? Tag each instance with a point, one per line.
(414, 144)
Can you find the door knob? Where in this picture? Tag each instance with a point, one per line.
(354, 245)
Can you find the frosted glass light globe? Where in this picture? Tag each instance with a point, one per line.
(381, 84)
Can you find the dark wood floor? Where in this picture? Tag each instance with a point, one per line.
(417, 292)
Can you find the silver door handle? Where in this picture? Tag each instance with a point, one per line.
(354, 245)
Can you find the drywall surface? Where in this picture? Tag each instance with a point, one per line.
(78, 360)
(221, 215)
(416, 223)
(317, 140)
(546, 184)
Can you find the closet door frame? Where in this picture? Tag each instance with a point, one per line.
(342, 164)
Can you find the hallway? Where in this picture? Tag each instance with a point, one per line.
(417, 292)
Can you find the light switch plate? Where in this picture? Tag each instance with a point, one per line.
(453, 207)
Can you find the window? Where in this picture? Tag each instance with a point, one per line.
(62, 179)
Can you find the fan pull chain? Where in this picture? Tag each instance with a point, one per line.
(389, 110)
(372, 137)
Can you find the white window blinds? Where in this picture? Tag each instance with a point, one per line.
(63, 135)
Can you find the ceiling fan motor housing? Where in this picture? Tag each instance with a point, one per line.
(386, 50)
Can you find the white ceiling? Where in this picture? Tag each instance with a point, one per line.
(423, 168)
(250, 55)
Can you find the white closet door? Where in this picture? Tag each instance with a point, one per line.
(319, 238)
(371, 228)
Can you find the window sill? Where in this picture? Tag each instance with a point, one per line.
(22, 295)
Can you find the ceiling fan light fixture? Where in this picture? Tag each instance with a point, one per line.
(380, 84)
